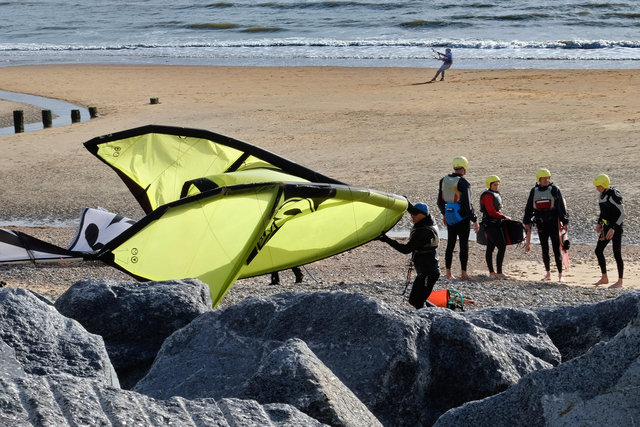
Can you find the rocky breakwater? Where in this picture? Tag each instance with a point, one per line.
(310, 359)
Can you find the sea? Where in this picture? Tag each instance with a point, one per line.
(483, 34)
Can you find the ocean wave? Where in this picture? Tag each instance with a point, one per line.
(299, 42)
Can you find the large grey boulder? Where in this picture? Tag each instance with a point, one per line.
(523, 328)
(469, 362)
(574, 330)
(134, 318)
(601, 387)
(292, 374)
(45, 342)
(406, 366)
(60, 400)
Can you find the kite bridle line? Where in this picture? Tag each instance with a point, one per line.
(310, 275)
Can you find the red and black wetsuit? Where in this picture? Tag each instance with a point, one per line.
(491, 206)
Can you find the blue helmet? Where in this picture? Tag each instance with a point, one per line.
(421, 208)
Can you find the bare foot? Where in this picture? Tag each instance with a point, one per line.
(502, 276)
(602, 281)
(465, 277)
(561, 279)
(449, 277)
(546, 277)
(616, 285)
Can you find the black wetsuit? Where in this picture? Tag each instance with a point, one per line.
(460, 230)
(546, 207)
(423, 245)
(611, 217)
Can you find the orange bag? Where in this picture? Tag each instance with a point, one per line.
(439, 298)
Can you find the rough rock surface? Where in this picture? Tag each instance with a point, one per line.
(59, 400)
(601, 387)
(305, 359)
(45, 342)
(293, 374)
(574, 330)
(134, 318)
(402, 364)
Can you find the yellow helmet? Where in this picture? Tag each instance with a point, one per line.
(460, 162)
(491, 179)
(602, 180)
(542, 173)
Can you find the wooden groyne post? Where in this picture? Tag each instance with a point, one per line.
(47, 119)
(18, 121)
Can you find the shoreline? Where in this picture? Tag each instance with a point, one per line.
(380, 128)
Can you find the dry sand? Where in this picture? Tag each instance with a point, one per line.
(382, 128)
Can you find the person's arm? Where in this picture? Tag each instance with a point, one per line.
(466, 208)
(441, 203)
(528, 210)
(561, 207)
(415, 241)
(616, 201)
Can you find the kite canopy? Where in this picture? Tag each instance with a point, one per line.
(220, 209)
(156, 161)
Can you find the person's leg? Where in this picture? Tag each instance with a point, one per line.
(463, 228)
(275, 278)
(418, 294)
(499, 260)
(298, 273)
(617, 253)
(544, 246)
(452, 236)
(602, 262)
(488, 256)
(431, 281)
(555, 244)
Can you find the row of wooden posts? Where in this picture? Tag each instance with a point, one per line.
(47, 121)
(47, 118)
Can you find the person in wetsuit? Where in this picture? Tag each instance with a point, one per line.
(454, 202)
(275, 276)
(492, 216)
(546, 207)
(609, 227)
(423, 245)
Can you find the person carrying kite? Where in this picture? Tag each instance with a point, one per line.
(447, 61)
(423, 245)
(609, 227)
(546, 207)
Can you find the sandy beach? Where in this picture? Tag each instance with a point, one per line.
(383, 128)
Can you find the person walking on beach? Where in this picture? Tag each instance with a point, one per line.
(609, 227)
(492, 216)
(454, 202)
(546, 207)
(447, 61)
(423, 245)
